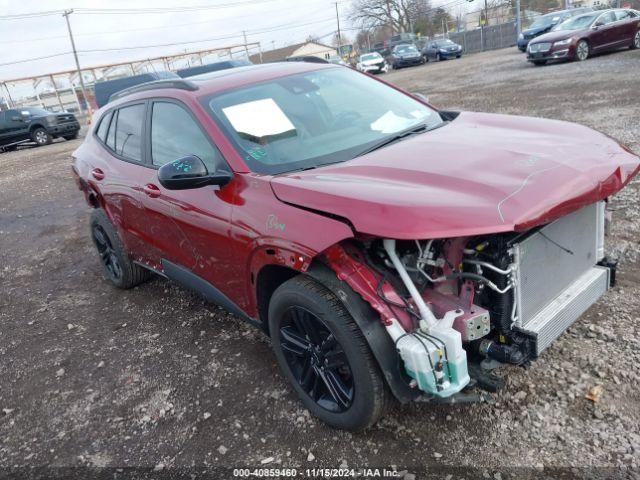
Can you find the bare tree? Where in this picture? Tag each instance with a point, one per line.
(400, 15)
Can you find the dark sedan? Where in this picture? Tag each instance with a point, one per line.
(441, 50)
(405, 56)
(582, 36)
(545, 23)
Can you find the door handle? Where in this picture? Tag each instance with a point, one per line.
(151, 190)
(97, 174)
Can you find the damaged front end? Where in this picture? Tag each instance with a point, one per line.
(448, 303)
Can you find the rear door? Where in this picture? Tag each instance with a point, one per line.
(14, 126)
(116, 169)
(626, 26)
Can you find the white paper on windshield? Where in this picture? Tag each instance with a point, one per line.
(260, 118)
(390, 123)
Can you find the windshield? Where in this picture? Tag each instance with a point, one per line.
(370, 56)
(36, 112)
(444, 43)
(544, 22)
(315, 118)
(576, 23)
(405, 49)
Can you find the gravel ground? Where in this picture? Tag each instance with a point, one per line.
(155, 378)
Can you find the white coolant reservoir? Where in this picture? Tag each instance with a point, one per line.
(432, 354)
(434, 358)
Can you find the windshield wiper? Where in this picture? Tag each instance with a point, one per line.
(400, 135)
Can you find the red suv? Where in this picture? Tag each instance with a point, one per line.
(385, 246)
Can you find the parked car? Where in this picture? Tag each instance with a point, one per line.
(337, 60)
(372, 63)
(405, 55)
(582, 36)
(212, 67)
(385, 246)
(105, 89)
(306, 58)
(442, 49)
(34, 124)
(545, 23)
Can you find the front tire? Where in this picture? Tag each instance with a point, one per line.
(324, 355)
(539, 63)
(582, 50)
(41, 137)
(117, 266)
(73, 136)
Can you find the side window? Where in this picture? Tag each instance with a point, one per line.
(607, 18)
(175, 134)
(111, 136)
(622, 15)
(104, 127)
(128, 141)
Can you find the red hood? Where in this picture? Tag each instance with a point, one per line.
(559, 35)
(480, 174)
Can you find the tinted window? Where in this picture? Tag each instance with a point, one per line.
(129, 132)
(608, 17)
(104, 126)
(175, 134)
(622, 15)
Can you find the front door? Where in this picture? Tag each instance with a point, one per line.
(190, 228)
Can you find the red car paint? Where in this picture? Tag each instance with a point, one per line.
(481, 173)
(617, 34)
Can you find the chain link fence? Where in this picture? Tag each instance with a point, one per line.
(488, 38)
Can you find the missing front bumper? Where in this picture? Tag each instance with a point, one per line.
(566, 308)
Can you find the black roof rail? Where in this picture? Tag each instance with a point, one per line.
(154, 85)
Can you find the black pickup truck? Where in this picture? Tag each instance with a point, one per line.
(33, 124)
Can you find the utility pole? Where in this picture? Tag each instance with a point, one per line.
(518, 18)
(75, 56)
(338, 20)
(246, 50)
(485, 24)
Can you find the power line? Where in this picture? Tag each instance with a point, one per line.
(26, 60)
(154, 10)
(226, 37)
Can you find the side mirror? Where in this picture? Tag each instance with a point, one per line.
(190, 172)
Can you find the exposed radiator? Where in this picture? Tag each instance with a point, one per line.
(551, 259)
(556, 276)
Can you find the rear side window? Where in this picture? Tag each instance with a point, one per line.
(111, 136)
(104, 126)
(128, 132)
(622, 14)
(175, 134)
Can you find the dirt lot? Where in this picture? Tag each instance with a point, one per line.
(154, 377)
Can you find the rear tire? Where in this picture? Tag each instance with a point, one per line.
(636, 41)
(582, 50)
(116, 264)
(41, 137)
(324, 355)
(70, 137)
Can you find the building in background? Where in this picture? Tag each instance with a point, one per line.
(310, 49)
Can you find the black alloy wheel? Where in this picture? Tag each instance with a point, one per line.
(324, 355)
(316, 360)
(107, 254)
